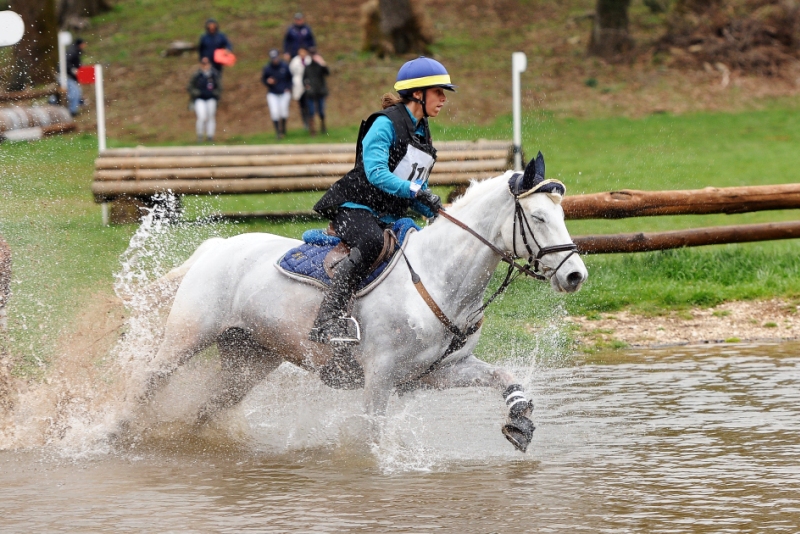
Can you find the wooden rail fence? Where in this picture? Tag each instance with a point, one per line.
(139, 173)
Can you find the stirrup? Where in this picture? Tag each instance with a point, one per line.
(352, 331)
(340, 330)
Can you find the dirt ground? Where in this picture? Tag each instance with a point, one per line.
(731, 322)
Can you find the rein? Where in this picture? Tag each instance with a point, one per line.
(460, 336)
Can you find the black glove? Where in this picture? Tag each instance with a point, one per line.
(428, 199)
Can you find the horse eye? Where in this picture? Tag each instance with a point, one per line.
(540, 219)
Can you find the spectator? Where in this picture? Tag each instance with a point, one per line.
(213, 40)
(278, 79)
(204, 90)
(316, 90)
(297, 66)
(298, 36)
(74, 93)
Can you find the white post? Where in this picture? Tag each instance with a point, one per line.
(64, 40)
(519, 62)
(101, 109)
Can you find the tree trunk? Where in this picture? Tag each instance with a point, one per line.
(70, 11)
(36, 55)
(396, 27)
(610, 37)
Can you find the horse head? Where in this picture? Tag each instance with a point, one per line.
(537, 231)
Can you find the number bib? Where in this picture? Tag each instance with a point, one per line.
(415, 166)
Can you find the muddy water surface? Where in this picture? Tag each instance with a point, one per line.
(672, 440)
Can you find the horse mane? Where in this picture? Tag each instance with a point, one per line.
(480, 188)
(477, 189)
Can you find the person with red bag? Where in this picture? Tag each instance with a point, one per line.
(74, 93)
(204, 90)
(210, 42)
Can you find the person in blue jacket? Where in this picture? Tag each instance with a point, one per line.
(277, 77)
(298, 36)
(211, 41)
(394, 157)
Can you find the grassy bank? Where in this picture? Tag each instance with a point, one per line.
(147, 100)
(62, 256)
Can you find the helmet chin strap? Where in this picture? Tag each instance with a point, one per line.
(422, 101)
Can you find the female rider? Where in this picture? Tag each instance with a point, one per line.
(394, 156)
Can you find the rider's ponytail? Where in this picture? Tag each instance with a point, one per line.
(390, 99)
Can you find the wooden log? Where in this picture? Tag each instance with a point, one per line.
(30, 94)
(479, 167)
(631, 203)
(716, 235)
(105, 191)
(59, 128)
(195, 162)
(326, 148)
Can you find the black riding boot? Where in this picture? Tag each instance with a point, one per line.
(333, 325)
(277, 129)
(283, 127)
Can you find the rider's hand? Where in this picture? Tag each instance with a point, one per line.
(428, 199)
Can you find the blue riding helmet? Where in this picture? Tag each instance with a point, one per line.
(422, 73)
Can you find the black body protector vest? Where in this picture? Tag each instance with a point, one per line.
(411, 157)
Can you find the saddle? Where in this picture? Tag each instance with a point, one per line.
(315, 260)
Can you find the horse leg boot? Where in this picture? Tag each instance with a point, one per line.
(334, 327)
(519, 429)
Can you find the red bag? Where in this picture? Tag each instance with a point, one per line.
(224, 57)
(85, 75)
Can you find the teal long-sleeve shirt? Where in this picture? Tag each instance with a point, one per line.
(375, 151)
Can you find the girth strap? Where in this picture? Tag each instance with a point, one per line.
(460, 337)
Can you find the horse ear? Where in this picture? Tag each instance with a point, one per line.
(534, 172)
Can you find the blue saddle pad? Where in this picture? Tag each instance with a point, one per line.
(307, 259)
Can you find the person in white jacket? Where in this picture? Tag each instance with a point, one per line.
(297, 67)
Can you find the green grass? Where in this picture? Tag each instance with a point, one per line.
(62, 256)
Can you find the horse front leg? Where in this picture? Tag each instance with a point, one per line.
(378, 387)
(471, 372)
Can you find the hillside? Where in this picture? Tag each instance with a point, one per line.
(147, 101)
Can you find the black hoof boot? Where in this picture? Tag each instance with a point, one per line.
(342, 371)
(519, 432)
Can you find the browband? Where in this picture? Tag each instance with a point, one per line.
(540, 186)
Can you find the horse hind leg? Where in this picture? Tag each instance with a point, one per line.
(244, 363)
(181, 343)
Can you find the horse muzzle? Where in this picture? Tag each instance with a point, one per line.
(571, 276)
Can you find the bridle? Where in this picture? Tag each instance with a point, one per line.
(534, 268)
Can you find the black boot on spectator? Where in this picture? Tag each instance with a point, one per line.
(283, 127)
(277, 129)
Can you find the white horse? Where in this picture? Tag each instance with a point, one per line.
(232, 294)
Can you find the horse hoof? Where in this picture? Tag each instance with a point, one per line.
(519, 432)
